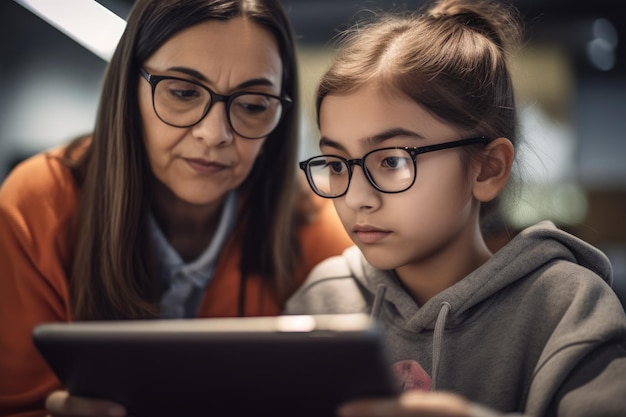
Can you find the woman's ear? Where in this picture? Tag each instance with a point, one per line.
(493, 169)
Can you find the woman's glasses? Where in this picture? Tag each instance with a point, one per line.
(182, 103)
(389, 170)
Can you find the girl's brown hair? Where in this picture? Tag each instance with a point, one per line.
(110, 277)
(451, 58)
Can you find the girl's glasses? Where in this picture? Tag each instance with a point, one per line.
(389, 170)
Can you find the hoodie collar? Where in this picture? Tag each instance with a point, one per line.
(530, 250)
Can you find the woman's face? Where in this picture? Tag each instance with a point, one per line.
(413, 226)
(201, 163)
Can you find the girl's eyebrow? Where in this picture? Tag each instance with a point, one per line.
(199, 76)
(376, 139)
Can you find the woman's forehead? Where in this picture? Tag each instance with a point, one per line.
(224, 52)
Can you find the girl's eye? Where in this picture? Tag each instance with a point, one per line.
(335, 167)
(394, 162)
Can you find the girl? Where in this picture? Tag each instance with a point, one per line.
(181, 204)
(418, 129)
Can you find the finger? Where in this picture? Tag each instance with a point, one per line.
(370, 408)
(61, 404)
(436, 404)
(409, 404)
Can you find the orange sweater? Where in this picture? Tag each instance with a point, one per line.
(37, 203)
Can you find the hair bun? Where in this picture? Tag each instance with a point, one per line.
(491, 18)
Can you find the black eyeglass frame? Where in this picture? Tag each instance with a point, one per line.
(153, 80)
(412, 151)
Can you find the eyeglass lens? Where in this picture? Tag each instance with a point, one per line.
(181, 103)
(389, 170)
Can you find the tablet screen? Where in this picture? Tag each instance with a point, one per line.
(262, 366)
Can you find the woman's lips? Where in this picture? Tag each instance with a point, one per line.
(204, 167)
(368, 234)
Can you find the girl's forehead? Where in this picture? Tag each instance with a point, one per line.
(368, 116)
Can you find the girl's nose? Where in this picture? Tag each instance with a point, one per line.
(361, 195)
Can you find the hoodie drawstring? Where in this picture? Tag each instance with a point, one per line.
(440, 325)
(378, 301)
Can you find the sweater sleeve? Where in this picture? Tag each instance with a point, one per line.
(37, 204)
(596, 386)
(582, 368)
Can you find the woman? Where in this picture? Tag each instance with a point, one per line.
(183, 203)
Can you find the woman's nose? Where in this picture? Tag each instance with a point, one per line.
(214, 128)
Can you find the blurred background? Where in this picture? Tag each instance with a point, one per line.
(570, 79)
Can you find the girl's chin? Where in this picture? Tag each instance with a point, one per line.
(379, 259)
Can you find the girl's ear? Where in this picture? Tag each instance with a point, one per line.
(493, 169)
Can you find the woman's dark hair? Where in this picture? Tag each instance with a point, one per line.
(450, 57)
(110, 277)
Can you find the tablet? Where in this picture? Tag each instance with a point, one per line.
(256, 366)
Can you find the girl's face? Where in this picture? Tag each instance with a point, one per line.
(201, 163)
(428, 220)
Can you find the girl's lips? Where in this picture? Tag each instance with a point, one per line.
(204, 167)
(369, 234)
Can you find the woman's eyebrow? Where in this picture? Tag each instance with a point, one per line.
(188, 71)
(377, 139)
(200, 77)
(255, 82)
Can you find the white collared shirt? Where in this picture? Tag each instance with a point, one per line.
(185, 282)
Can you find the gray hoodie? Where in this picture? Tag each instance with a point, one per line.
(536, 330)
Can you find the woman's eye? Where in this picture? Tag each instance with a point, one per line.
(180, 90)
(185, 94)
(252, 103)
(252, 108)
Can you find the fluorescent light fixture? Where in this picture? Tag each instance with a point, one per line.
(86, 21)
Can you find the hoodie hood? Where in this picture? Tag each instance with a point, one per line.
(531, 250)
